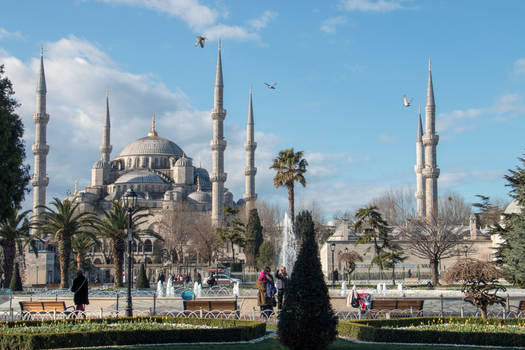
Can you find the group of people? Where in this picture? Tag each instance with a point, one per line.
(269, 287)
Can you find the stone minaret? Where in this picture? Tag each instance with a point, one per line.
(420, 164)
(430, 141)
(40, 148)
(218, 145)
(249, 195)
(105, 148)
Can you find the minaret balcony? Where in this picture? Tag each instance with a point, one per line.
(106, 149)
(250, 146)
(218, 145)
(218, 115)
(429, 172)
(218, 177)
(40, 149)
(40, 118)
(430, 140)
(250, 171)
(38, 181)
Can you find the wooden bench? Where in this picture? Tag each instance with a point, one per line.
(45, 307)
(411, 279)
(210, 307)
(397, 307)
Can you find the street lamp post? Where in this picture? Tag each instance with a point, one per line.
(346, 263)
(130, 200)
(332, 248)
(465, 249)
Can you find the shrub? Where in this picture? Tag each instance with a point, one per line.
(142, 279)
(307, 320)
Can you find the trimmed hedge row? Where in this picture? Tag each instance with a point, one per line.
(373, 330)
(228, 331)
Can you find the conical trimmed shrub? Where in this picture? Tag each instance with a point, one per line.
(307, 320)
(142, 279)
(16, 282)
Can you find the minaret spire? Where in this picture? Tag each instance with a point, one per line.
(430, 141)
(105, 148)
(418, 168)
(218, 145)
(39, 180)
(249, 195)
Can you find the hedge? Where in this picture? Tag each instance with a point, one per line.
(228, 331)
(373, 330)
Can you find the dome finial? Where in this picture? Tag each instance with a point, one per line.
(153, 132)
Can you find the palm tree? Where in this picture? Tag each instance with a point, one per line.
(63, 223)
(373, 228)
(81, 245)
(14, 230)
(113, 226)
(290, 167)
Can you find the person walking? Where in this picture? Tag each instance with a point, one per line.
(2, 281)
(80, 291)
(282, 281)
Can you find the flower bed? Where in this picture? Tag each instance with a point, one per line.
(124, 331)
(437, 330)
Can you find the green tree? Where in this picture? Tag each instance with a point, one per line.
(14, 175)
(488, 214)
(81, 245)
(63, 223)
(113, 226)
(266, 256)
(14, 231)
(16, 282)
(373, 229)
(307, 320)
(290, 167)
(254, 238)
(142, 279)
(391, 258)
(232, 231)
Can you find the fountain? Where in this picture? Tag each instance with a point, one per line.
(288, 253)
(236, 289)
(169, 287)
(160, 289)
(344, 289)
(197, 289)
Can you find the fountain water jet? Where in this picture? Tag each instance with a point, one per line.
(288, 254)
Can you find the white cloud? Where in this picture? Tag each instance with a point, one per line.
(77, 75)
(5, 34)
(329, 26)
(457, 120)
(519, 66)
(386, 139)
(458, 178)
(372, 6)
(203, 19)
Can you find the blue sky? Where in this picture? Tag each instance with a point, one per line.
(341, 69)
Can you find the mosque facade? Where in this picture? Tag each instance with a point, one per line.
(155, 168)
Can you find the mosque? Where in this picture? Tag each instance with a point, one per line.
(155, 168)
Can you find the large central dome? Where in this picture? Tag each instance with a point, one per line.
(152, 145)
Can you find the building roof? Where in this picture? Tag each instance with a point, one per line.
(139, 176)
(152, 145)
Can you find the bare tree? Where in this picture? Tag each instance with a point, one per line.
(174, 226)
(271, 216)
(480, 283)
(396, 205)
(350, 258)
(453, 207)
(204, 237)
(433, 239)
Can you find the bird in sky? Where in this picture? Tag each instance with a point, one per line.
(199, 40)
(270, 86)
(406, 102)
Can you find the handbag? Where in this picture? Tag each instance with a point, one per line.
(355, 300)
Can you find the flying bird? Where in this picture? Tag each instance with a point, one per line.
(270, 86)
(199, 41)
(406, 102)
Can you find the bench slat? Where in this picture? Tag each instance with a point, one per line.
(220, 305)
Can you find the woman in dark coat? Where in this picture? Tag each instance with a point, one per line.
(80, 289)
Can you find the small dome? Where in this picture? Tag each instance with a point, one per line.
(151, 145)
(183, 161)
(200, 197)
(139, 176)
(101, 165)
(204, 178)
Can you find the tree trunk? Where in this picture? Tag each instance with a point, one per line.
(233, 252)
(64, 256)
(393, 274)
(118, 260)
(291, 210)
(434, 265)
(483, 312)
(9, 249)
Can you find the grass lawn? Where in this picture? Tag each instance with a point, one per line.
(273, 344)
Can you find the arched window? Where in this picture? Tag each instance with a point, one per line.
(136, 162)
(134, 244)
(148, 247)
